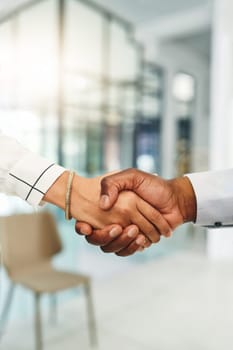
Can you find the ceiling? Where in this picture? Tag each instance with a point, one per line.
(199, 42)
(142, 11)
(135, 11)
(139, 11)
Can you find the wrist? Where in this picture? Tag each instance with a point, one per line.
(84, 200)
(57, 192)
(186, 198)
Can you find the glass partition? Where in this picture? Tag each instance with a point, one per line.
(28, 86)
(7, 66)
(147, 139)
(83, 39)
(75, 86)
(124, 58)
(184, 95)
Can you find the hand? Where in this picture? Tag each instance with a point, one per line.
(114, 239)
(128, 209)
(174, 199)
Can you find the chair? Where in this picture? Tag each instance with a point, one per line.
(29, 241)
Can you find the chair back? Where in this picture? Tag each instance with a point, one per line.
(28, 239)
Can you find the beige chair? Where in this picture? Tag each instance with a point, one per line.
(29, 241)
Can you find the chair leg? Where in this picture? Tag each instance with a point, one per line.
(38, 330)
(53, 309)
(6, 308)
(91, 316)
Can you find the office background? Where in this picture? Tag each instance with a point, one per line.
(104, 85)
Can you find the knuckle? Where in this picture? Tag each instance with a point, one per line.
(130, 250)
(90, 240)
(157, 215)
(132, 171)
(120, 254)
(104, 182)
(94, 241)
(123, 253)
(106, 249)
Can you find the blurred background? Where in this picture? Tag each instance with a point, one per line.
(100, 85)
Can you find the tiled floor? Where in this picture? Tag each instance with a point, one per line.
(181, 302)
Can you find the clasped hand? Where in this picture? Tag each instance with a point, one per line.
(154, 209)
(130, 225)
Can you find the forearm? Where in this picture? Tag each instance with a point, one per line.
(24, 173)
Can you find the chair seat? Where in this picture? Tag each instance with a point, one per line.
(44, 278)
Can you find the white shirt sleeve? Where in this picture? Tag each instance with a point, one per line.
(214, 194)
(23, 173)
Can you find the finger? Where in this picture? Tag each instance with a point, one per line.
(82, 228)
(105, 235)
(113, 184)
(131, 249)
(154, 216)
(149, 230)
(142, 241)
(129, 234)
(138, 245)
(109, 193)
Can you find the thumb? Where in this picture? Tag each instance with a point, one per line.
(108, 194)
(83, 228)
(112, 185)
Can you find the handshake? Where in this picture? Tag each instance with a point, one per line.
(126, 211)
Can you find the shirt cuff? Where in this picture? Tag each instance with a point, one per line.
(214, 195)
(32, 176)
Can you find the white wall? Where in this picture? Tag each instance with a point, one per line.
(220, 242)
(175, 58)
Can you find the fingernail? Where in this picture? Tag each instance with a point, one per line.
(140, 249)
(83, 232)
(104, 201)
(132, 232)
(140, 240)
(115, 231)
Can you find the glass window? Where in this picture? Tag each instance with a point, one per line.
(36, 53)
(83, 39)
(7, 65)
(75, 140)
(124, 57)
(184, 94)
(29, 72)
(152, 91)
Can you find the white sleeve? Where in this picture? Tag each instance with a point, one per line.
(23, 173)
(214, 194)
